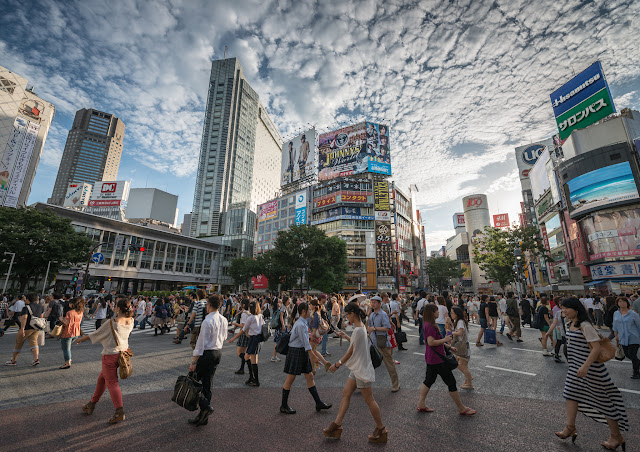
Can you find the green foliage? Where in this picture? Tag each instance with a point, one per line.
(441, 269)
(242, 269)
(493, 252)
(37, 237)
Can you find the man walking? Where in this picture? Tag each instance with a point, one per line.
(207, 354)
(417, 314)
(379, 330)
(394, 313)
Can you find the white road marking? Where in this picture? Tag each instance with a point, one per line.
(527, 350)
(511, 370)
(416, 353)
(629, 390)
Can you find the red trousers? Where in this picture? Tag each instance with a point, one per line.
(108, 378)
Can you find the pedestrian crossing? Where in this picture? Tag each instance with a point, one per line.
(89, 326)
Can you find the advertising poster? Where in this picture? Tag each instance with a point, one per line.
(299, 157)
(501, 220)
(381, 195)
(601, 187)
(268, 210)
(77, 195)
(108, 194)
(22, 163)
(384, 250)
(301, 208)
(260, 282)
(340, 213)
(539, 177)
(582, 101)
(466, 271)
(527, 156)
(339, 152)
(11, 151)
(458, 220)
(613, 234)
(378, 148)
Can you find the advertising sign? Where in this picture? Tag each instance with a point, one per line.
(77, 195)
(384, 215)
(21, 164)
(381, 195)
(539, 177)
(527, 156)
(340, 213)
(10, 154)
(613, 234)
(325, 200)
(299, 157)
(458, 220)
(545, 242)
(615, 270)
(501, 220)
(582, 101)
(466, 271)
(301, 208)
(384, 250)
(268, 210)
(260, 282)
(602, 187)
(109, 193)
(354, 149)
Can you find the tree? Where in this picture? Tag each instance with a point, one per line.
(276, 273)
(440, 269)
(493, 251)
(242, 270)
(38, 237)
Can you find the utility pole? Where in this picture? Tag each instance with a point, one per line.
(6, 281)
(86, 273)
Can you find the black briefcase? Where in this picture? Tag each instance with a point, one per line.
(187, 392)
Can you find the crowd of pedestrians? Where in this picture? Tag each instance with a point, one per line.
(300, 327)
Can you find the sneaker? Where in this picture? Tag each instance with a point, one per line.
(275, 360)
(635, 377)
(547, 353)
(35, 362)
(10, 363)
(326, 354)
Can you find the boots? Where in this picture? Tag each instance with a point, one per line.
(118, 416)
(88, 408)
(320, 405)
(241, 370)
(204, 416)
(284, 406)
(251, 378)
(256, 380)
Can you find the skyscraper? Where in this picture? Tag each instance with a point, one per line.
(239, 165)
(24, 123)
(92, 152)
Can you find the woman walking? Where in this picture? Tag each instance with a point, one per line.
(588, 387)
(253, 327)
(434, 355)
(101, 312)
(299, 361)
(71, 329)
(280, 324)
(362, 375)
(316, 333)
(461, 344)
(119, 328)
(626, 326)
(243, 340)
(443, 314)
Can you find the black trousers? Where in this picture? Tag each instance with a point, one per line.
(433, 370)
(205, 370)
(631, 352)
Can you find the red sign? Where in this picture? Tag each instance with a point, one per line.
(326, 200)
(353, 198)
(474, 202)
(109, 188)
(104, 202)
(260, 282)
(523, 219)
(501, 220)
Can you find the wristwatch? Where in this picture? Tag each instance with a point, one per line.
(339, 362)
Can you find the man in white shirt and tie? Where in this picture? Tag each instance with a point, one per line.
(207, 354)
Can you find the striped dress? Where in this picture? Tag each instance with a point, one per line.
(597, 396)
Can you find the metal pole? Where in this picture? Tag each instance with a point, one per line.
(46, 275)
(6, 281)
(86, 273)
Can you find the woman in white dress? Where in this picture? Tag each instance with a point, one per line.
(358, 360)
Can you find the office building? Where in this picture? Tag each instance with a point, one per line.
(92, 152)
(152, 205)
(24, 123)
(239, 164)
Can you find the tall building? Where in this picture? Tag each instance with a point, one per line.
(24, 123)
(239, 165)
(92, 152)
(476, 218)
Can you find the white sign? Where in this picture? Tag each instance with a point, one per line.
(383, 215)
(22, 164)
(109, 193)
(301, 208)
(77, 195)
(458, 220)
(527, 156)
(615, 270)
(299, 157)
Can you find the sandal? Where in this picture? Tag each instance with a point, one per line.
(65, 366)
(466, 387)
(426, 409)
(479, 344)
(468, 412)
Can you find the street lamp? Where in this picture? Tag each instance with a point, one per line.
(6, 281)
(46, 276)
(517, 253)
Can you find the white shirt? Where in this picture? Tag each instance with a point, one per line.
(18, 306)
(588, 303)
(141, 307)
(394, 307)
(253, 325)
(360, 361)
(213, 333)
(502, 304)
(421, 303)
(442, 314)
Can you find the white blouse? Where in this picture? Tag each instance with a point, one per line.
(253, 325)
(360, 361)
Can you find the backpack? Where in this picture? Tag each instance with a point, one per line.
(537, 321)
(275, 321)
(266, 333)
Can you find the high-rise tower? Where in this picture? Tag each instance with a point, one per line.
(239, 165)
(92, 152)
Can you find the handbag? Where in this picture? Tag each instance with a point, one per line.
(490, 336)
(266, 333)
(376, 355)
(125, 369)
(448, 359)
(401, 337)
(607, 349)
(392, 338)
(57, 330)
(187, 392)
(619, 353)
(37, 323)
(282, 346)
(461, 343)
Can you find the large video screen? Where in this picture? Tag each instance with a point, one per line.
(612, 234)
(602, 187)
(298, 157)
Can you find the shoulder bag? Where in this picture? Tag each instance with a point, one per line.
(607, 349)
(37, 323)
(376, 355)
(125, 368)
(187, 391)
(461, 343)
(282, 346)
(448, 359)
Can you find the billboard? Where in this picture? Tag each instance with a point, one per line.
(268, 210)
(77, 195)
(612, 234)
(109, 193)
(260, 282)
(355, 149)
(381, 195)
(301, 208)
(384, 250)
(501, 220)
(341, 213)
(615, 270)
(466, 271)
(15, 160)
(527, 156)
(458, 220)
(602, 187)
(582, 101)
(299, 157)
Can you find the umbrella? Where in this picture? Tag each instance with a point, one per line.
(357, 298)
(190, 288)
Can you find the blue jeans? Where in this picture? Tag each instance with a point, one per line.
(502, 326)
(65, 343)
(145, 320)
(325, 339)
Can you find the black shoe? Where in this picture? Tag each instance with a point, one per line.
(287, 410)
(239, 372)
(196, 419)
(322, 406)
(421, 343)
(204, 419)
(401, 348)
(558, 360)
(509, 337)
(635, 377)
(249, 381)
(519, 340)
(254, 383)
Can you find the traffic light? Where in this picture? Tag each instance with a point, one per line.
(133, 247)
(75, 277)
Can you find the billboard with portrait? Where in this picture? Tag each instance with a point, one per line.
(377, 148)
(602, 187)
(299, 157)
(268, 210)
(612, 234)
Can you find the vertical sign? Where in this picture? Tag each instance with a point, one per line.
(501, 220)
(545, 241)
(301, 208)
(10, 155)
(22, 164)
(381, 195)
(384, 251)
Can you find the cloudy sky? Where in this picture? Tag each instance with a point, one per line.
(461, 82)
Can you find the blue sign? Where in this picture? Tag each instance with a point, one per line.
(97, 258)
(581, 87)
(301, 216)
(531, 154)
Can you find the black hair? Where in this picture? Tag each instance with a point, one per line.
(574, 303)
(214, 301)
(509, 294)
(460, 315)
(298, 308)
(423, 294)
(32, 297)
(56, 295)
(354, 308)
(125, 307)
(245, 304)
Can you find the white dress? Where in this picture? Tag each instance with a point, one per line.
(360, 362)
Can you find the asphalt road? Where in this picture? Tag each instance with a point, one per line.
(518, 394)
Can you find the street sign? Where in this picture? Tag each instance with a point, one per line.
(97, 257)
(209, 287)
(119, 242)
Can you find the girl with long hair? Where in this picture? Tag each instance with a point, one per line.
(71, 330)
(461, 344)
(253, 328)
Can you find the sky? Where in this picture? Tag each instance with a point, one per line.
(461, 83)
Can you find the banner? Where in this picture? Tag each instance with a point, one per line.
(21, 165)
(501, 220)
(384, 250)
(299, 157)
(615, 270)
(340, 213)
(378, 148)
(10, 155)
(301, 208)
(268, 210)
(381, 195)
